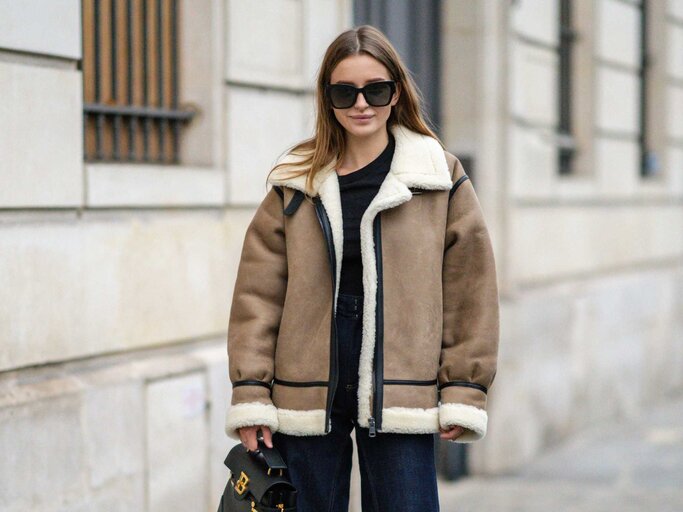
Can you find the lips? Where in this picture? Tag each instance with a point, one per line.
(361, 117)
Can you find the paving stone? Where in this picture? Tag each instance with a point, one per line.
(628, 465)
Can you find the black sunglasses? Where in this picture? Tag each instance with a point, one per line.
(377, 94)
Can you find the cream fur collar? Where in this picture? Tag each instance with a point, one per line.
(418, 162)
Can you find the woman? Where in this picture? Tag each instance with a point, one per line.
(366, 295)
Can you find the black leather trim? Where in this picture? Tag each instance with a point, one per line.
(465, 384)
(334, 377)
(408, 382)
(301, 384)
(379, 326)
(455, 186)
(250, 382)
(279, 191)
(294, 202)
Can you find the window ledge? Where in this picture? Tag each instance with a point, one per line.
(129, 185)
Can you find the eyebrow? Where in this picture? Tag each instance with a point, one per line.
(371, 80)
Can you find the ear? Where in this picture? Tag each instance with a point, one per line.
(397, 94)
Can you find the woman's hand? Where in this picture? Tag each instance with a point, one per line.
(248, 437)
(453, 432)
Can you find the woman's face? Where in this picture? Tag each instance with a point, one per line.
(361, 119)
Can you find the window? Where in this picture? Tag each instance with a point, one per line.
(130, 81)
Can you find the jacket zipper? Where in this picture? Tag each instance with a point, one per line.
(327, 232)
(375, 421)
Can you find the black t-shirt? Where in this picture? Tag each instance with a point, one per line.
(357, 189)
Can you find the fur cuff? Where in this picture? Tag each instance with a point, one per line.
(249, 414)
(472, 418)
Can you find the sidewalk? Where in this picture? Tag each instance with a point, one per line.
(633, 465)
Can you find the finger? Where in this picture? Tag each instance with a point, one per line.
(454, 432)
(252, 444)
(448, 429)
(243, 437)
(457, 432)
(267, 436)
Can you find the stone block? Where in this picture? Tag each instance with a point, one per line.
(617, 100)
(265, 42)
(534, 84)
(116, 185)
(40, 136)
(533, 164)
(617, 167)
(323, 20)
(43, 456)
(35, 26)
(674, 50)
(674, 113)
(536, 19)
(114, 433)
(114, 281)
(674, 170)
(261, 125)
(176, 443)
(575, 240)
(618, 32)
(675, 8)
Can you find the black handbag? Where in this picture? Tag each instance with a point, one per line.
(258, 481)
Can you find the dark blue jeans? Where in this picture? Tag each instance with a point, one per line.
(397, 471)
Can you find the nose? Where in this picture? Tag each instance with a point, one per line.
(360, 101)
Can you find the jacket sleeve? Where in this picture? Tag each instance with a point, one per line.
(255, 314)
(469, 351)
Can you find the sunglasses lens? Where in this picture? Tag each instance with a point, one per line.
(342, 96)
(378, 95)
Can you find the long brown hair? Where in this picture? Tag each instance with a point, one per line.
(329, 143)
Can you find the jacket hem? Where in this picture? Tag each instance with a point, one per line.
(249, 414)
(301, 423)
(409, 420)
(400, 420)
(473, 419)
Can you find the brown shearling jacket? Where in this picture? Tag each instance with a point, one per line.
(430, 312)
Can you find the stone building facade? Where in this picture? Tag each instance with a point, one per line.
(116, 277)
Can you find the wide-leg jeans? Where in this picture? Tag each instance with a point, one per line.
(397, 471)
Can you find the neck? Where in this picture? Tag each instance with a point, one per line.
(360, 151)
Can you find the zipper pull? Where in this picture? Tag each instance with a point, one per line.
(371, 421)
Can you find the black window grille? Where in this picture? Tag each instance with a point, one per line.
(648, 159)
(566, 140)
(130, 81)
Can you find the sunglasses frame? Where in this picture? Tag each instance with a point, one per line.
(362, 90)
